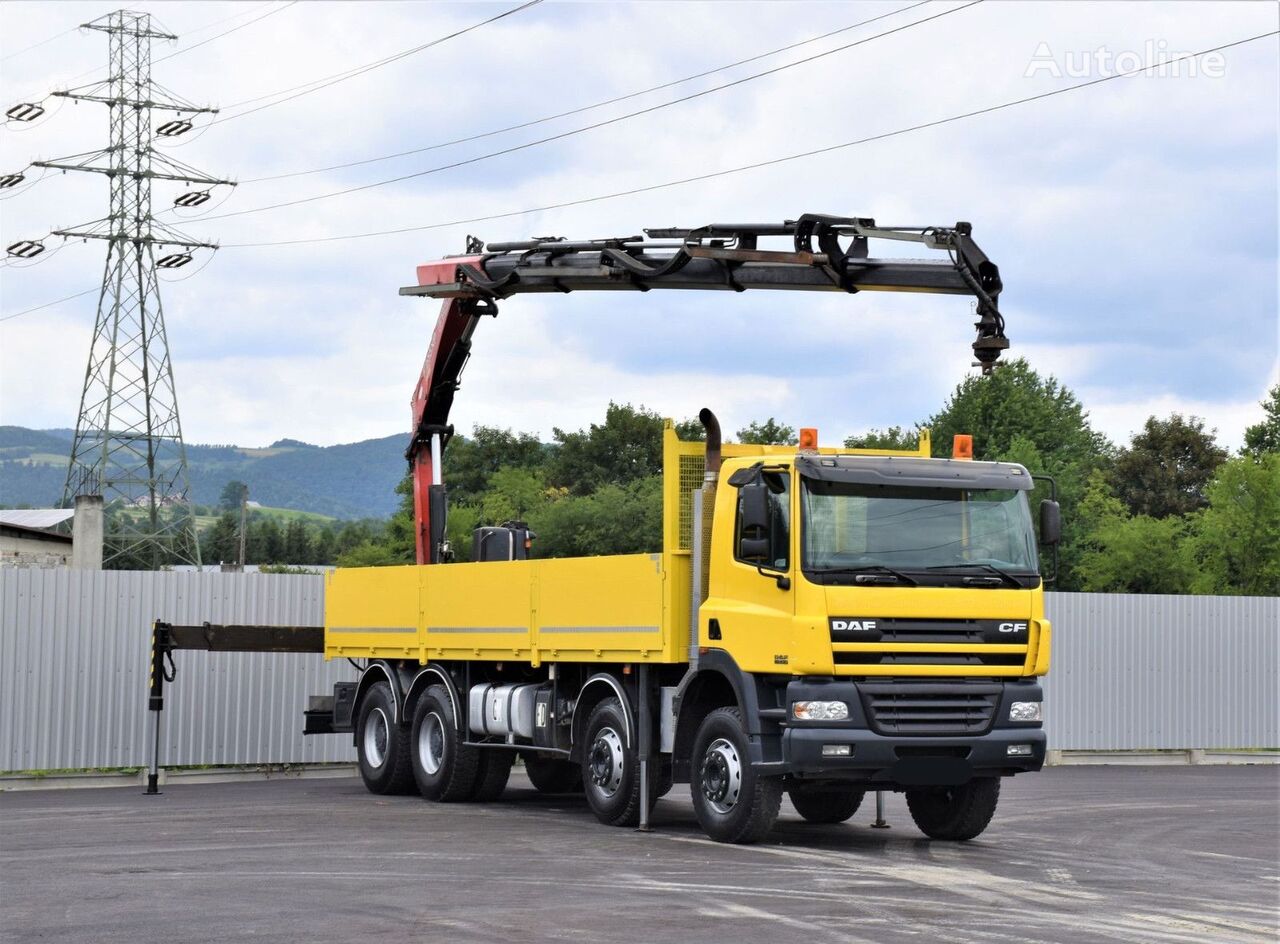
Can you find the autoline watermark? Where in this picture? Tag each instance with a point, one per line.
(1155, 59)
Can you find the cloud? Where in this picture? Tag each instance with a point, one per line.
(1138, 250)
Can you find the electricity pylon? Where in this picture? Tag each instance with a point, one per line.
(128, 441)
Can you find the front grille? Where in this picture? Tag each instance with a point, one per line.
(866, 641)
(910, 630)
(930, 658)
(924, 709)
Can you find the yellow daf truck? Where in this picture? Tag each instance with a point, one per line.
(818, 622)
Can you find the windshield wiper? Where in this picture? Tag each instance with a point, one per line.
(991, 568)
(870, 569)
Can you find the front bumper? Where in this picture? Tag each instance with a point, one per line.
(896, 760)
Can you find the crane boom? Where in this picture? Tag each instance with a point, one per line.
(820, 253)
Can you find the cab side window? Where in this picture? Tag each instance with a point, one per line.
(762, 533)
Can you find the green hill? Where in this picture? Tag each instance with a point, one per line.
(353, 480)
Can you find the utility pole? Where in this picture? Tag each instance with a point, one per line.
(128, 442)
(244, 515)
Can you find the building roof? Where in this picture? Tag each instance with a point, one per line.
(36, 517)
(32, 534)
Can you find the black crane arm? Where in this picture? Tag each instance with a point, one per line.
(813, 253)
(825, 253)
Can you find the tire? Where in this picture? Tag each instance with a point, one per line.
(492, 774)
(382, 746)
(826, 802)
(955, 813)
(444, 769)
(664, 777)
(552, 774)
(610, 769)
(732, 802)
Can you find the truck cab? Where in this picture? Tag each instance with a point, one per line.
(880, 618)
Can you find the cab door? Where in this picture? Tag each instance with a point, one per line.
(751, 601)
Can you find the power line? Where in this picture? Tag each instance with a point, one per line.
(318, 84)
(585, 108)
(27, 311)
(759, 164)
(44, 42)
(599, 124)
(227, 19)
(198, 29)
(233, 29)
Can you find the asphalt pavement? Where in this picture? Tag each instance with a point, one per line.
(1075, 854)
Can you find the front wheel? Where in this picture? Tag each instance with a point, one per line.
(825, 802)
(955, 813)
(732, 802)
(611, 769)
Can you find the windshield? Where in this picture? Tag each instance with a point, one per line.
(848, 525)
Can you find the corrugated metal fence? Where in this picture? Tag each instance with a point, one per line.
(1132, 672)
(1129, 672)
(75, 661)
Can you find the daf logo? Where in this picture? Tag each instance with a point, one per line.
(1012, 627)
(857, 626)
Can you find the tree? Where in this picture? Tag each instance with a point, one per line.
(298, 548)
(895, 437)
(626, 447)
(232, 494)
(265, 541)
(1013, 414)
(691, 430)
(470, 461)
(615, 519)
(1125, 553)
(1167, 466)
(1264, 437)
(357, 545)
(514, 494)
(326, 546)
(1236, 544)
(222, 542)
(1013, 402)
(768, 433)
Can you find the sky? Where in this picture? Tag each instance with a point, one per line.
(1134, 221)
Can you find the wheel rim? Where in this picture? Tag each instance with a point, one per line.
(375, 737)
(721, 776)
(431, 743)
(606, 762)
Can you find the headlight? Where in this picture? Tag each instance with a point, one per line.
(819, 710)
(1024, 711)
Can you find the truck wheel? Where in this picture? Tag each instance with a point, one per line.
(610, 770)
(664, 777)
(443, 767)
(553, 775)
(732, 802)
(492, 774)
(956, 813)
(825, 802)
(382, 746)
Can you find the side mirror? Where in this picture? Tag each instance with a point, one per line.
(1050, 522)
(753, 509)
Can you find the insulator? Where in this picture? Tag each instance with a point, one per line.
(174, 261)
(25, 111)
(25, 249)
(192, 199)
(11, 180)
(171, 129)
